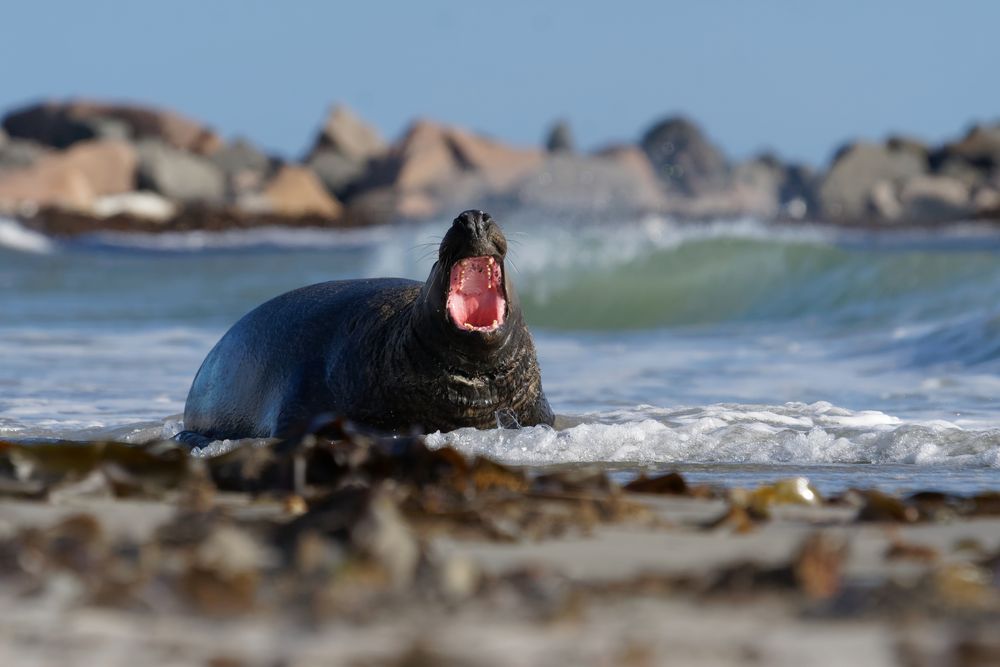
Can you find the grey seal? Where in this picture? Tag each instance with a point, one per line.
(389, 353)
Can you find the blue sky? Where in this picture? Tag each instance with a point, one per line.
(795, 77)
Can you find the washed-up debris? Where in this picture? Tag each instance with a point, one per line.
(881, 507)
(344, 524)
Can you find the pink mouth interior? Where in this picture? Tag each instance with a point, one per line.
(475, 298)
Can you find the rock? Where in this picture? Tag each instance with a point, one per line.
(499, 164)
(61, 124)
(240, 156)
(884, 201)
(244, 167)
(339, 174)
(109, 165)
(845, 191)
(980, 147)
(904, 144)
(761, 179)
(179, 175)
(20, 153)
(936, 199)
(958, 168)
(986, 200)
(799, 195)
(432, 155)
(422, 158)
(45, 184)
(616, 181)
(3, 137)
(683, 158)
(386, 204)
(297, 191)
(347, 135)
(145, 205)
(560, 138)
(71, 179)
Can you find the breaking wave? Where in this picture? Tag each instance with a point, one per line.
(794, 433)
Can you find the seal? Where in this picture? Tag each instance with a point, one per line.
(388, 353)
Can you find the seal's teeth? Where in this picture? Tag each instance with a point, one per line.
(490, 261)
(495, 323)
(469, 326)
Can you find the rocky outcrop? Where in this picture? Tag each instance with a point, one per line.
(935, 199)
(433, 161)
(244, 168)
(684, 159)
(19, 153)
(61, 124)
(343, 151)
(340, 175)
(560, 138)
(45, 184)
(296, 191)
(109, 165)
(347, 135)
(179, 175)
(845, 193)
(613, 183)
(72, 178)
(128, 162)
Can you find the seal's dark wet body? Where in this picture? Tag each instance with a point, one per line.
(382, 352)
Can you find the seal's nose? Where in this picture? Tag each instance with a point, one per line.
(473, 222)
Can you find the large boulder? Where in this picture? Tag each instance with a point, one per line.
(244, 167)
(619, 180)
(846, 189)
(935, 199)
(72, 178)
(560, 138)
(20, 153)
(48, 183)
(340, 175)
(61, 124)
(974, 160)
(109, 165)
(423, 157)
(347, 135)
(297, 191)
(499, 164)
(179, 175)
(761, 179)
(433, 156)
(980, 147)
(684, 159)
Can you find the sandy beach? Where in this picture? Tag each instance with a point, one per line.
(437, 560)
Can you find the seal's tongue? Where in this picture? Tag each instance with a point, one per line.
(475, 298)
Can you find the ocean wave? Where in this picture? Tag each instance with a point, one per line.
(793, 433)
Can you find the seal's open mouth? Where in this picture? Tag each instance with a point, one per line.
(475, 295)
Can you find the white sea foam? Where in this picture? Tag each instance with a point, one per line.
(794, 433)
(15, 236)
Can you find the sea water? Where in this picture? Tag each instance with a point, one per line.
(737, 352)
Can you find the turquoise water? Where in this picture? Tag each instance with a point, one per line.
(737, 351)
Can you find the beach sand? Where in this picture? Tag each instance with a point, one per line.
(520, 569)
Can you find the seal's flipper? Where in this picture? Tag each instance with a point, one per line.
(192, 440)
